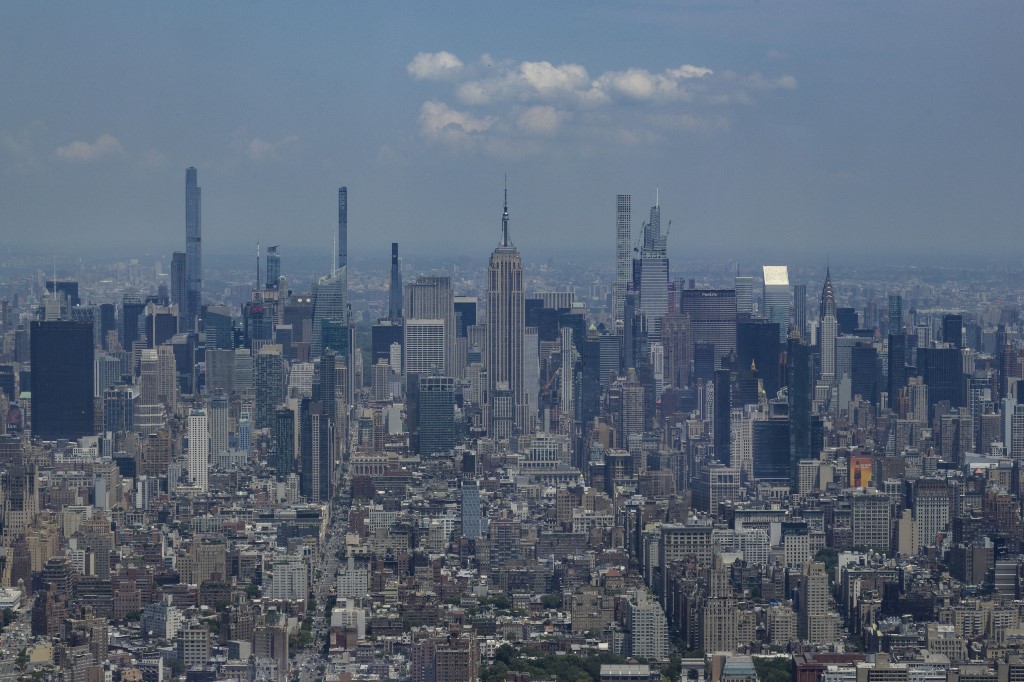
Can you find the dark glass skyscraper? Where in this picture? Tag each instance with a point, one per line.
(395, 291)
(62, 379)
(284, 442)
(178, 281)
(193, 251)
(897, 365)
(273, 267)
(432, 417)
(712, 319)
(942, 371)
(800, 364)
(953, 330)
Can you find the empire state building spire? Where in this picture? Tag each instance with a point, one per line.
(504, 219)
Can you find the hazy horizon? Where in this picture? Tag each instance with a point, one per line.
(791, 131)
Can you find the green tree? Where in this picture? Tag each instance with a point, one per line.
(830, 557)
(552, 601)
(773, 669)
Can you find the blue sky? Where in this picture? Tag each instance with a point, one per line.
(773, 129)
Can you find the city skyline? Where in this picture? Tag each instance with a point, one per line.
(769, 127)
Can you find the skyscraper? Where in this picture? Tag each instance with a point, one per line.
(654, 274)
(722, 414)
(623, 252)
(953, 329)
(895, 314)
(801, 390)
(193, 250)
(431, 419)
(178, 280)
(829, 330)
(506, 327)
(330, 298)
(432, 298)
(776, 297)
(424, 349)
(273, 268)
(342, 260)
(395, 291)
(744, 295)
(198, 449)
(62, 379)
(217, 420)
(712, 314)
(800, 309)
(470, 508)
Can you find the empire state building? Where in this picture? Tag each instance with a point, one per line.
(506, 322)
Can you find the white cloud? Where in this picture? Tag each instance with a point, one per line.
(105, 145)
(438, 121)
(511, 107)
(689, 71)
(260, 150)
(541, 120)
(434, 65)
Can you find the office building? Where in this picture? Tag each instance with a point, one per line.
(758, 349)
(675, 339)
(506, 330)
(712, 314)
(63, 390)
(942, 371)
(432, 298)
(721, 416)
(316, 448)
(895, 314)
(744, 295)
(801, 393)
(653, 275)
(382, 335)
(800, 309)
(269, 369)
(953, 330)
(330, 301)
(199, 449)
(897, 365)
(132, 308)
(193, 252)
(870, 520)
(178, 280)
(431, 413)
(217, 418)
(472, 524)
(465, 314)
(776, 297)
(284, 442)
(771, 448)
(865, 372)
(424, 350)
